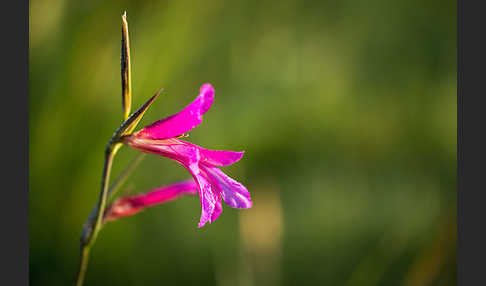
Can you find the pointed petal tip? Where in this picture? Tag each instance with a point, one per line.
(236, 156)
(201, 224)
(240, 155)
(242, 204)
(207, 88)
(206, 92)
(209, 220)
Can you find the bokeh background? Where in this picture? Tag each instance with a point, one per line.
(346, 110)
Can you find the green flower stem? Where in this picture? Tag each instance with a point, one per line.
(83, 264)
(94, 222)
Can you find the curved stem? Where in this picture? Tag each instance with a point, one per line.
(94, 222)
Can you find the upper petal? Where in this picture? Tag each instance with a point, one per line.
(234, 193)
(181, 122)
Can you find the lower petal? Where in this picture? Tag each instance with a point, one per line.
(210, 198)
(218, 207)
(234, 193)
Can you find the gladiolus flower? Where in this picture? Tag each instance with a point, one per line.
(127, 206)
(160, 138)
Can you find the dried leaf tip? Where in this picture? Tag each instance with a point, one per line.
(126, 78)
(129, 125)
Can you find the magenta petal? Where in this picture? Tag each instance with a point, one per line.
(126, 206)
(234, 193)
(181, 122)
(210, 209)
(216, 157)
(212, 182)
(183, 151)
(171, 148)
(218, 208)
(220, 158)
(207, 156)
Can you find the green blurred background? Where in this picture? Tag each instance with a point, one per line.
(346, 110)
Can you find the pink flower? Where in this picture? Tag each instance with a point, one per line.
(127, 206)
(203, 164)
